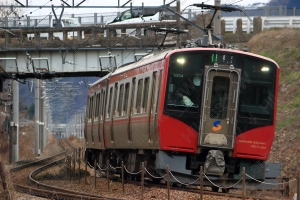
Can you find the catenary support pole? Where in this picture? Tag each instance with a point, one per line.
(178, 23)
(16, 121)
(36, 117)
(217, 20)
(41, 117)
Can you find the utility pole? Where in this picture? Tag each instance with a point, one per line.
(36, 116)
(10, 125)
(15, 132)
(41, 116)
(178, 23)
(217, 20)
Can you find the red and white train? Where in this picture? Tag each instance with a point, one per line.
(186, 108)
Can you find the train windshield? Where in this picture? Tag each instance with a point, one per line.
(257, 89)
(184, 82)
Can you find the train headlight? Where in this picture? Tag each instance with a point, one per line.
(181, 61)
(265, 69)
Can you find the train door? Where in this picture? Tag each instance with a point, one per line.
(131, 101)
(140, 120)
(101, 118)
(110, 109)
(96, 120)
(88, 124)
(92, 108)
(219, 107)
(121, 121)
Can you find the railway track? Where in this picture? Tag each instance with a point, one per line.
(236, 193)
(36, 188)
(56, 191)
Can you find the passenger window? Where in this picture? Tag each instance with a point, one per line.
(99, 105)
(145, 96)
(102, 105)
(153, 91)
(92, 107)
(139, 96)
(109, 102)
(96, 108)
(115, 100)
(89, 111)
(125, 105)
(121, 94)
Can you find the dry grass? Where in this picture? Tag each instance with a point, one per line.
(274, 40)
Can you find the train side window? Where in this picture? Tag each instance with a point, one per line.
(100, 105)
(89, 110)
(96, 108)
(126, 97)
(109, 103)
(132, 95)
(153, 92)
(92, 108)
(121, 94)
(139, 96)
(115, 100)
(145, 95)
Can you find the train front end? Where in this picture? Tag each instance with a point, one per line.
(218, 110)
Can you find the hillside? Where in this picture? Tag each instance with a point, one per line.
(283, 45)
(288, 3)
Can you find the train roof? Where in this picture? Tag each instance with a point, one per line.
(153, 57)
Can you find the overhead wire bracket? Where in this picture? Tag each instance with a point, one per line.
(20, 3)
(58, 24)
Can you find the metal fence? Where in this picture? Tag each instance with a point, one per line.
(102, 18)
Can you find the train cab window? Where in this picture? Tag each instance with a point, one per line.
(184, 84)
(145, 95)
(127, 15)
(218, 103)
(126, 98)
(121, 94)
(139, 96)
(109, 103)
(257, 89)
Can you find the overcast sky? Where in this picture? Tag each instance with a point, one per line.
(184, 3)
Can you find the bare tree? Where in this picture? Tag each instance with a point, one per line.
(11, 11)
